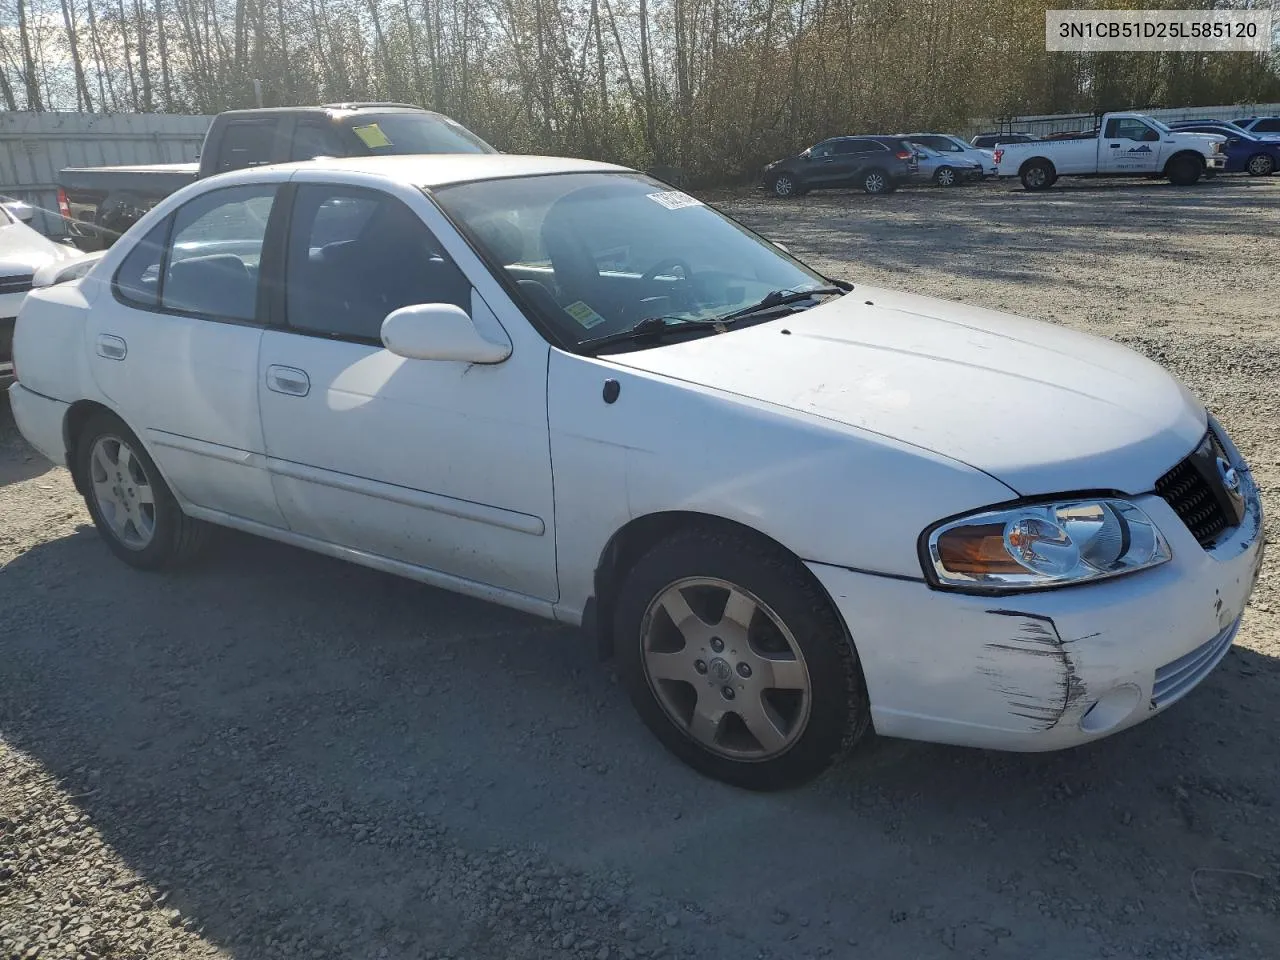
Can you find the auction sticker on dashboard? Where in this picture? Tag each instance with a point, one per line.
(584, 314)
(675, 200)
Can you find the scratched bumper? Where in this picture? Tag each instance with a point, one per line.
(1024, 672)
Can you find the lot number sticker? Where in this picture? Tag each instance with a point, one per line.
(584, 314)
(675, 200)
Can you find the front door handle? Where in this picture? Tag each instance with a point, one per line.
(1115, 146)
(112, 348)
(288, 380)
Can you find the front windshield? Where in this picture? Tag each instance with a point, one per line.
(398, 133)
(595, 253)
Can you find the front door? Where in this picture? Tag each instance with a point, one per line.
(439, 464)
(174, 347)
(1129, 146)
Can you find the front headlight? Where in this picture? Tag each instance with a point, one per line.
(1043, 545)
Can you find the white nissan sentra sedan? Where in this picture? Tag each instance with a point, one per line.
(792, 508)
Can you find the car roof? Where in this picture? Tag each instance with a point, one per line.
(440, 169)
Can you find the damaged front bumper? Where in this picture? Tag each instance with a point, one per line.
(1050, 669)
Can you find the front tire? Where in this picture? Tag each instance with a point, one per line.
(1185, 170)
(1260, 165)
(784, 186)
(736, 661)
(131, 505)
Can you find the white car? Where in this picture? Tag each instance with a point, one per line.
(1126, 145)
(956, 148)
(23, 251)
(792, 508)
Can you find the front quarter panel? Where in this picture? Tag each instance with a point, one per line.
(827, 492)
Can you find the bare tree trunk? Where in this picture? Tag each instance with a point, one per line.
(29, 77)
(144, 68)
(83, 100)
(166, 78)
(96, 42)
(646, 73)
(286, 78)
(128, 57)
(419, 88)
(6, 92)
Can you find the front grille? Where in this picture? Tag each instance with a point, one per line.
(1195, 491)
(18, 284)
(1176, 679)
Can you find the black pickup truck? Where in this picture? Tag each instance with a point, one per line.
(100, 203)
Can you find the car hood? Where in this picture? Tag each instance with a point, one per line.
(24, 251)
(1042, 408)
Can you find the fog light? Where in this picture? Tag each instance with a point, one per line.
(1112, 709)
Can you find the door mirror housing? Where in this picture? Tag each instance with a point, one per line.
(439, 331)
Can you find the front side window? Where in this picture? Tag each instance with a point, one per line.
(311, 140)
(1127, 128)
(594, 253)
(1267, 125)
(356, 255)
(822, 150)
(215, 252)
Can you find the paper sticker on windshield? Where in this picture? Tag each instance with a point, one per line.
(675, 200)
(584, 314)
(372, 136)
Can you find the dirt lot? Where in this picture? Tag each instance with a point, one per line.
(277, 755)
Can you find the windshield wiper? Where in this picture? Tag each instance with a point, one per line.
(778, 298)
(652, 328)
(656, 328)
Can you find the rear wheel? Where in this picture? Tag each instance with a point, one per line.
(130, 504)
(876, 180)
(1261, 165)
(1184, 170)
(1038, 175)
(735, 659)
(946, 177)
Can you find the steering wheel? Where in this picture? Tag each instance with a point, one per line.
(681, 295)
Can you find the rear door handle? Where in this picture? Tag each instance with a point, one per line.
(288, 380)
(112, 348)
(1115, 146)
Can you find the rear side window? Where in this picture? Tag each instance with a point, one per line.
(215, 252)
(1268, 125)
(246, 144)
(138, 279)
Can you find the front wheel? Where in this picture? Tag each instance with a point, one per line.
(1261, 165)
(130, 504)
(784, 186)
(736, 661)
(1184, 171)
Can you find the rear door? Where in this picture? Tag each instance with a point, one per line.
(1129, 146)
(861, 155)
(174, 347)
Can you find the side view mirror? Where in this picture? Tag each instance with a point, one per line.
(21, 210)
(806, 155)
(781, 246)
(439, 331)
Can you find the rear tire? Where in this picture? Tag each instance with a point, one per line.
(1037, 175)
(876, 180)
(1184, 170)
(131, 505)
(1260, 165)
(946, 177)
(735, 659)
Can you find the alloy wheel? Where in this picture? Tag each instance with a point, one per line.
(123, 492)
(725, 669)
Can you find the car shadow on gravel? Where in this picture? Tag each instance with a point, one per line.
(305, 752)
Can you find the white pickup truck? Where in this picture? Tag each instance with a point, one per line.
(1130, 145)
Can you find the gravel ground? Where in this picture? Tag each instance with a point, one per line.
(278, 755)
